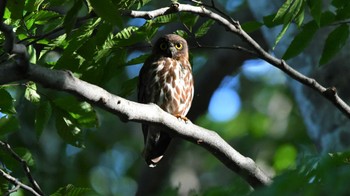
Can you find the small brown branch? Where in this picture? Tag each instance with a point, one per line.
(235, 28)
(26, 169)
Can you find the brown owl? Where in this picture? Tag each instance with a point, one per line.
(166, 80)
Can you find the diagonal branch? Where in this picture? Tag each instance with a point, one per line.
(26, 169)
(234, 27)
(132, 111)
(18, 183)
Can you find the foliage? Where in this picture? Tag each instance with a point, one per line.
(67, 141)
(335, 18)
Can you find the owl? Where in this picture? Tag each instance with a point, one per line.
(165, 79)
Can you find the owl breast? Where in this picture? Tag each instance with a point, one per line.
(172, 85)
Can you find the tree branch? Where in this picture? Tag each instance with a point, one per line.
(26, 169)
(125, 109)
(145, 113)
(235, 28)
(16, 182)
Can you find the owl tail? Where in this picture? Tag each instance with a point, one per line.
(156, 143)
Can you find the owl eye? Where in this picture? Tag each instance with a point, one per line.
(163, 46)
(178, 46)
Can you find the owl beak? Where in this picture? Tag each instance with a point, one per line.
(172, 50)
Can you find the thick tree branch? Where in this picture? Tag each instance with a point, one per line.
(234, 27)
(132, 111)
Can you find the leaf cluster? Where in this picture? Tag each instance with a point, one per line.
(334, 17)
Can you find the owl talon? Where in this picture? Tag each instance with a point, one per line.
(184, 118)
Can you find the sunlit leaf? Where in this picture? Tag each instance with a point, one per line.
(204, 28)
(334, 43)
(69, 132)
(31, 93)
(283, 10)
(281, 34)
(71, 190)
(25, 155)
(82, 112)
(166, 19)
(126, 32)
(289, 12)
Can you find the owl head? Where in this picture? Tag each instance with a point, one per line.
(172, 46)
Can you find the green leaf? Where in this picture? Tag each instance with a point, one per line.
(42, 117)
(343, 13)
(189, 20)
(6, 102)
(25, 155)
(165, 19)
(32, 54)
(334, 43)
(182, 33)
(107, 11)
(251, 26)
(43, 16)
(16, 8)
(71, 190)
(301, 40)
(327, 18)
(204, 28)
(8, 124)
(71, 16)
(340, 3)
(126, 32)
(316, 10)
(140, 59)
(283, 10)
(290, 10)
(271, 21)
(70, 133)
(280, 35)
(299, 18)
(30, 94)
(81, 112)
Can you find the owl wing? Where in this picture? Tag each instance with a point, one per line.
(156, 141)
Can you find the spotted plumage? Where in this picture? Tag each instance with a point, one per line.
(166, 80)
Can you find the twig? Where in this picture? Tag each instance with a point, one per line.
(18, 183)
(26, 169)
(235, 28)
